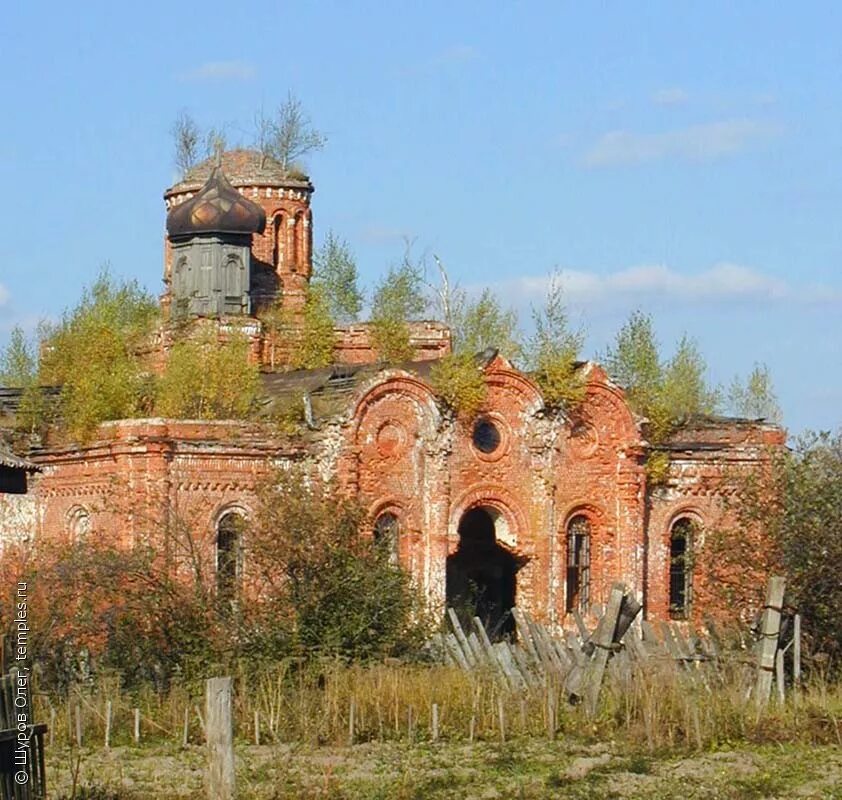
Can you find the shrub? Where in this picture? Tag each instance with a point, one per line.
(208, 379)
(92, 354)
(459, 380)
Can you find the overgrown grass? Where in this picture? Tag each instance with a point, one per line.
(662, 708)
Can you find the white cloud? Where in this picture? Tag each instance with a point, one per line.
(705, 142)
(673, 96)
(723, 282)
(219, 70)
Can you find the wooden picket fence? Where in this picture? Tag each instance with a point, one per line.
(577, 660)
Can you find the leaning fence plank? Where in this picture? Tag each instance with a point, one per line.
(460, 637)
(770, 627)
(452, 644)
(525, 635)
(604, 640)
(796, 651)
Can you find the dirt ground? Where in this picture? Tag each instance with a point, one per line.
(528, 769)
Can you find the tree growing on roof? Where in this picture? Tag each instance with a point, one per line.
(755, 396)
(398, 299)
(186, 137)
(335, 275)
(552, 350)
(288, 134)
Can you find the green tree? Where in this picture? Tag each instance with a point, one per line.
(93, 354)
(789, 521)
(208, 379)
(684, 392)
(634, 362)
(314, 332)
(398, 299)
(755, 397)
(667, 393)
(458, 379)
(484, 323)
(315, 565)
(18, 362)
(335, 273)
(19, 369)
(553, 348)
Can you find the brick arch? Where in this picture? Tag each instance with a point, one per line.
(593, 511)
(396, 384)
(506, 378)
(606, 405)
(501, 500)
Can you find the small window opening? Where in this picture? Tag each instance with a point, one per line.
(387, 535)
(486, 436)
(578, 564)
(681, 543)
(229, 535)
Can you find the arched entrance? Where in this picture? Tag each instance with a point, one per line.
(482, 574)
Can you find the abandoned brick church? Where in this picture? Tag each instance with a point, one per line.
(524, 504)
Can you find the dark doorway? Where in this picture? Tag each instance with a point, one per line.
(481, 574)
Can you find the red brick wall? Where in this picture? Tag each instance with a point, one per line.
(401, 451)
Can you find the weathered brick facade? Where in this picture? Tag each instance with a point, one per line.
(519, 503)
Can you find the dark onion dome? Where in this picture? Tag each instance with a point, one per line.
(244, 168)
(216, 208)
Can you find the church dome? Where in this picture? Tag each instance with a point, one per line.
(216, 208)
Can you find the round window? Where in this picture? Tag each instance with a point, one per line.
(486, 436)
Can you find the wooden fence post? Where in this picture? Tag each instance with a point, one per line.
(796, 651)
(107, 724)
(220, 736)
(770, 628)
(137, 726)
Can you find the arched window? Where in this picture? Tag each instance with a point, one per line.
(229, 555)
(387, 534)
(278, 232)
(681, 572)
(578, 564)
(297, 243)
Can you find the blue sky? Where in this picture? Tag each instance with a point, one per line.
(686, 162)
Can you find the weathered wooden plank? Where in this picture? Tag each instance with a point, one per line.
(604, 638)
(525, 635)
(452, 644)
(510, 667)
(522, 661)
(584, 633)
(460, 637)
(770, 627)
(221, 782)
(477, 650)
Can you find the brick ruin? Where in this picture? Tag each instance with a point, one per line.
(520, 503)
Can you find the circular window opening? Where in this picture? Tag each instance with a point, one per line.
(486, 436)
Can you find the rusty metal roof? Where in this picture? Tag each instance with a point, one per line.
(217, 208)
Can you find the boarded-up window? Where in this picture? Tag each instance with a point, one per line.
(681, 573)
(578, 564)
